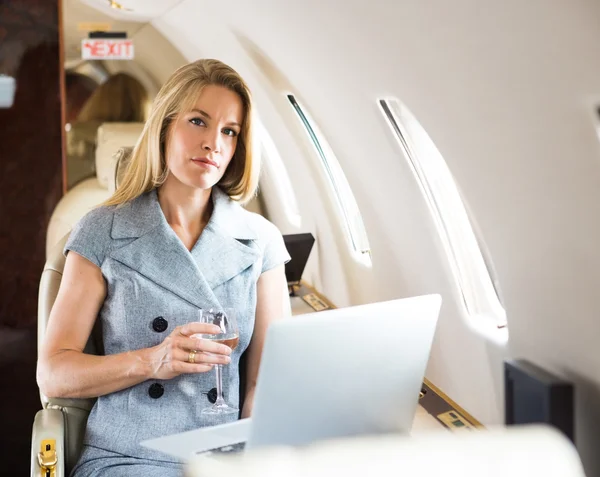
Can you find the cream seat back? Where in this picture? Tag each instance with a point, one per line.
(92, 191)
(111, 138)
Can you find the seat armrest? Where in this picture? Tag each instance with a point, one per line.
(74, 414)
(84, 404)
(48, 424)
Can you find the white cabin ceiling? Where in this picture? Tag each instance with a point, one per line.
(132, 10)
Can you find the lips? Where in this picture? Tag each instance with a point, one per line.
(205, 160)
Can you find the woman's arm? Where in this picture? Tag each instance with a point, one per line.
(272, 303)
(65, 371)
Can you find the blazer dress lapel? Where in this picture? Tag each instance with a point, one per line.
(220, 252)
(156, 252)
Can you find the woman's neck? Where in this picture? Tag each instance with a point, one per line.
(185, 208)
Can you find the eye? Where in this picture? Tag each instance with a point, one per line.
(230, 132)
(197, 122)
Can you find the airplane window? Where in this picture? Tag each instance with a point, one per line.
(346, 202)
(472, 270)
(269, 152)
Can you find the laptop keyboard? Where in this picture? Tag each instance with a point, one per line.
(230, 449)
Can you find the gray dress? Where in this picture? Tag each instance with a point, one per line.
(155, 284)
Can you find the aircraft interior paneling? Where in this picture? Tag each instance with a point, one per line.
(428, 147)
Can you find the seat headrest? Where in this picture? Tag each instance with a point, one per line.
(121, 161)
(112, 137)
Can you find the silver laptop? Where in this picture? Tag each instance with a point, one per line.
(336, 373)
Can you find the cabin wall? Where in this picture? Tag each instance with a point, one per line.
(506, 90)
(30, 151)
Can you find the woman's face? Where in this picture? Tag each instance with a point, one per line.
(201, 143)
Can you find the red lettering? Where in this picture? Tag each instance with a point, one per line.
(101, 49)
(109, 49)
(113, 49)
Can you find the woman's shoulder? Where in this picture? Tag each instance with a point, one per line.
(270, 240)
(96, 222)
(265, 230)
(91, 235)
(97, 217)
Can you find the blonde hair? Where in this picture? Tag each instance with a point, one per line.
(147, 168)
(121, 98)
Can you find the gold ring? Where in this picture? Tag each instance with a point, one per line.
(192, 356)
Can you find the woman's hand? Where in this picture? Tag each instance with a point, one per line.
(171, 357)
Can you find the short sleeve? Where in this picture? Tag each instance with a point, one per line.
(90, 237)
(275, 252)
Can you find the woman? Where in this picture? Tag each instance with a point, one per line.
(172, 240)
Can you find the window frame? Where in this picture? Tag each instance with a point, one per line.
(468, 257)
(344, 197)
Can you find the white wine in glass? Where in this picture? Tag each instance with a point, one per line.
(229, 336)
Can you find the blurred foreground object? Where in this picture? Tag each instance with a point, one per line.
(518, 451)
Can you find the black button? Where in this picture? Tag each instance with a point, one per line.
(159, 324)
(212, 395)
(156, 390)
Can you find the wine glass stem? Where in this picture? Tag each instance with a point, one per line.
(219, 371)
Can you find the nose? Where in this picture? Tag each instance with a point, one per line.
(210, 141)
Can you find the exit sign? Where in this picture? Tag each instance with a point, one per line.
(106, 49)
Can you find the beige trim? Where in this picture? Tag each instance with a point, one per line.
(311, 289)
(453, 404)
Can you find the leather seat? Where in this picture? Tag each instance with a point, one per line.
(61, 423)
(61, 420)
(92, 191)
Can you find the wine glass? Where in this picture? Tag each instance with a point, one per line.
(229, 336)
